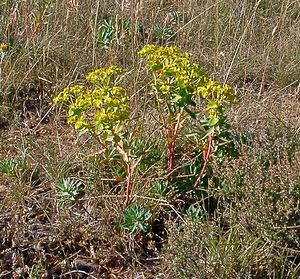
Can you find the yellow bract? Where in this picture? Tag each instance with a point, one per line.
(217, 92)
(98, 106)
(102, 105)
(177, 81)
(3, 47)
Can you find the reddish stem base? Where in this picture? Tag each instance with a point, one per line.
(207, 156)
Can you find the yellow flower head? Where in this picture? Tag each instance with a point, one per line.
(3, 47)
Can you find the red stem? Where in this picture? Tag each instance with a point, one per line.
(207, 155)
(171, 146)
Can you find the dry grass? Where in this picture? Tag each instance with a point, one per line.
(253, 229)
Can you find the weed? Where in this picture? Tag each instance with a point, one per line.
(68, 190)
(136, 219)
(162, 33)
(8, 167)
(103, 109)
(112, 30)
(177, 82)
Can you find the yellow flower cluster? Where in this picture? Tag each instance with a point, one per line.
(69, 95)
(217, 92)
(100, 106)
(177, 81)
(3, 47)
(175, 76)
(104, 76)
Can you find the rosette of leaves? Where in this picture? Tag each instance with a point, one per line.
(68, 190)
(194, 212)
(162, 33)
(136, 219)
(112, 30)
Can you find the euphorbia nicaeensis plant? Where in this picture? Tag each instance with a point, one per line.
(103, 108)
(177, 82)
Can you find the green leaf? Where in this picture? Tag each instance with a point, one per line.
(190, 101)
(212, 105)
(74, 112)
(176, 99)
(156, 67)
(213, 121)
(8, 167)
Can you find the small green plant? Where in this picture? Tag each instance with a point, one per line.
(68, 190)
(8, 167)
(136, 219)
(112, 30)
(162, 33)
(161, 189)
(13, 167)
(175, 17)
(194, 212)
(36, 270)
